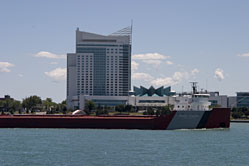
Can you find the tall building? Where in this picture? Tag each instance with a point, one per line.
(101, 66)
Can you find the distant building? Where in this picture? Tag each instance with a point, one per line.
(6, 97)
(243, 99)
(218, 100)
(101, 66)
(232, 101)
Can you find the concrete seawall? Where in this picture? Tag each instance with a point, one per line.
(239, 121)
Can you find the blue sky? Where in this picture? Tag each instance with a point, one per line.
(174, 42)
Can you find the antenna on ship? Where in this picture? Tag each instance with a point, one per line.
(206, 84)
(194, 87)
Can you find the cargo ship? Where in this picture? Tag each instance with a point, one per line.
(215, 118)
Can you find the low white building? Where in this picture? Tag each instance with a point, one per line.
(140, 101)
(148, 101)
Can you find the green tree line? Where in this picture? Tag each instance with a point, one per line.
(91, 107)
(242, 112)
(32, 104)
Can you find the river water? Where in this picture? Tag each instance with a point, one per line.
(73, 147)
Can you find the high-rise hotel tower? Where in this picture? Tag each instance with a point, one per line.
(100, 67)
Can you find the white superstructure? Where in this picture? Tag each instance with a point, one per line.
(195, 102)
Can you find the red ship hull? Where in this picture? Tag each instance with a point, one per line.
(218, 117)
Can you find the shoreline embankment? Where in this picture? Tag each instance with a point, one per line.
(239, 121)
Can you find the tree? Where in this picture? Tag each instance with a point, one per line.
(64, 102)
(165, 110)
(158, 112)
(101, 111)
(236, 115)
(120, 108)
(99, 107)
(2, 103)
(89, 106)
(128, 108)
(234, 109)
(48, 104)
(15, 106)
(149, 111)
(247, 113)
(6, 105)
(63, 107)
(243, 109)
(52, 107)
(31, 102)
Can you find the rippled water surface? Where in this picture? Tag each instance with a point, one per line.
(59, 147)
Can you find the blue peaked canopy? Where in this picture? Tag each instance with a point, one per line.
(152, 91)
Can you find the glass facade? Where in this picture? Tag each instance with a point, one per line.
(151, 101)
(110, 69)
(243, 99)
(99, 69)
(109, 102)
(125, 69)
(213, 102)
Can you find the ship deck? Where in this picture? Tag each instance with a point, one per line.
(75, 117)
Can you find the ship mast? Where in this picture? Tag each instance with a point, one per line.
(194, 87)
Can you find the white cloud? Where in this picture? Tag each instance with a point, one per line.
(141, 76)
(243, 55)
(53, 63)
(175, 79)
(178, 76)
(44, 54)
(218, 74)
(195, 71)
(4, 66)
(153, 62)
(20, 75)
(150, 56)
(58, 74)
(134, 66)
(169, 62)
(168, 81)
(154, 59)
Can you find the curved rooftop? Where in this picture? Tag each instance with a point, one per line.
(161, 91)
